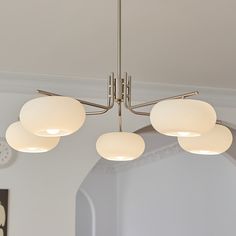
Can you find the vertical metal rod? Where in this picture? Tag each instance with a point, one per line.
(120, 116)
(119, 71)
(130, 91)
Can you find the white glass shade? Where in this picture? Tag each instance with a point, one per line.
(183, 117)
(24, 141)
(216, 141)
(52, 116)
(120, 146)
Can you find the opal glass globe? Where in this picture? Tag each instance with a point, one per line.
(52, 116)
(183, 117)
(120, 146)
(24, 141)
(216, 141)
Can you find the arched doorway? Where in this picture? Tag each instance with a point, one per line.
(85, 214)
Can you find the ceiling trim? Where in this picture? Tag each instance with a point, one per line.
(95, 88)
(170, 150)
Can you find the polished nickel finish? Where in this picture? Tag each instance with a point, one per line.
(103, 108)
(126, 98)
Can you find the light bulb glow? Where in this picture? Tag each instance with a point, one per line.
(53, 131)
(33, 150)
(121, 158)
(204, 152)
(183, 117)
(182, 134)
(120, 146)
(216, 141)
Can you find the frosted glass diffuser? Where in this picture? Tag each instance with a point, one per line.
(183, 117)
(216, 141)
(120, 146)
(24, 141)
(52, 116)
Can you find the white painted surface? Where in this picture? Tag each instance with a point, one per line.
(181, 195)
(177, 42)
(85, 214)
(101, 189)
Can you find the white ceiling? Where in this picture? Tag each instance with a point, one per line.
(191, 42)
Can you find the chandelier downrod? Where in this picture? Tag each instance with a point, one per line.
(119, 54)
(119, 89)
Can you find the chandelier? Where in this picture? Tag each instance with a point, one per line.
(45, 119)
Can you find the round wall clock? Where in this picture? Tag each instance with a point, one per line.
(7, 154)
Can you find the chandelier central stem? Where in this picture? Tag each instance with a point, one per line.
(120, 116)
(119, 70)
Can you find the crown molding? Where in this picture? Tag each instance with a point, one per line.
(220, 97)
(72, 86)
(150, 157)
(107, 167)
(95, 88)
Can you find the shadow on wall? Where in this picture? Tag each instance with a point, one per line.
(85, 215)
(96, 204)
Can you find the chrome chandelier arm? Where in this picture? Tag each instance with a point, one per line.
(104, 108)
(81, 101)
(128, 99)
(185, 95)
